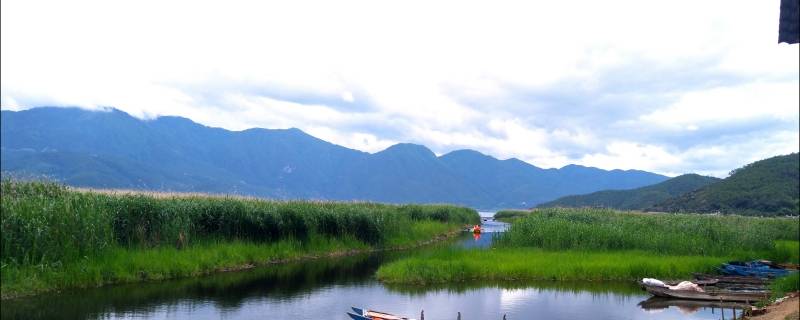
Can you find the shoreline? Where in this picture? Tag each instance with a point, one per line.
(454, 266)
(56, 237)
(239, 267)
(785, 309)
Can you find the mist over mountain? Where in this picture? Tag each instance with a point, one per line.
(111, 149)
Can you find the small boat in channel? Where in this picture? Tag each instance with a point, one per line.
(366, 314)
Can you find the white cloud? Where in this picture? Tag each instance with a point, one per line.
(730, 104)
(628, 155)
(348, 96)
(365, 74)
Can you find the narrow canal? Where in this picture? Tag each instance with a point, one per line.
(326, 289)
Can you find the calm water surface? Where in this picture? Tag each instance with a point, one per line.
(325, 289)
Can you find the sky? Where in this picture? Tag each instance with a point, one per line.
(665, 86)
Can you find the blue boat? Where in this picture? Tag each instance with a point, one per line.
(756, 268)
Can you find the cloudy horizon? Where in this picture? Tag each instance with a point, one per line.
(671, 88)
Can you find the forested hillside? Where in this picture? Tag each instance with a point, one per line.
(635, 199)
(766, 187)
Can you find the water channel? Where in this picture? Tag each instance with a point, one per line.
(325, 289)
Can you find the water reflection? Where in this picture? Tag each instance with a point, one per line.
(325, 289)
(222, 292)
(731, 310)
(490, 229)
(595, 288)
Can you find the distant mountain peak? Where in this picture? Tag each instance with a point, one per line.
(408, 149)
(467, 153)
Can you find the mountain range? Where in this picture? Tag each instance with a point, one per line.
(111, 149)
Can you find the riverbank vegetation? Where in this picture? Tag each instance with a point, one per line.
(782, 286)
(510, 215)
(454, 265)
(598, 244)
(54, 237)
(692, 234)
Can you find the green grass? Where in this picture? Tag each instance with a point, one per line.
(786, 251)
(120, 265)
(420, 231)
(511, 215)
(680, 234)
(618, 288)
(536, 264)
(598, 244)
(781, 286)
(54, 237)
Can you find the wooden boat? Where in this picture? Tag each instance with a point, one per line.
(709, 295)
(699, 282)
(365, 314)
(723, 279)
(789, 266)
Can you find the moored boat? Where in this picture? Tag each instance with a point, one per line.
(366, 314)
(707, 295)
(728, 279)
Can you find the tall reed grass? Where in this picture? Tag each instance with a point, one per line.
(686, 234)
(46, 223)
(784, 285)
(510, 215)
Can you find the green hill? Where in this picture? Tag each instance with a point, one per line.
(635, 199)
(766, 187)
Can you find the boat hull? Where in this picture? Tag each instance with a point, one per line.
(361, 313)
(357, 317)
(746, 297)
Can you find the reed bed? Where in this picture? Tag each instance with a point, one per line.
(784, 285)
(510, 215)
(536, 264)
(685, 234)
(597, 244)
(785, 251)
(49, 226)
